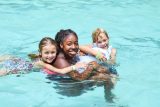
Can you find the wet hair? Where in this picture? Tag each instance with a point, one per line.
(47, 40)
(44, 41)
(97, 32)
(62, 34)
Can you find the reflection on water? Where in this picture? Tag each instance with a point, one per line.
(67, 87)
(108, 95)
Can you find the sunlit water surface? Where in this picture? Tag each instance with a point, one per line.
(133, 27)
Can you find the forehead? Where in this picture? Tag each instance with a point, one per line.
(70, 38)
(49, 47)
(102, 36)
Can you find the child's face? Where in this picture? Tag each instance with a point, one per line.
(70, 45)
(102, 40)
(48, 53)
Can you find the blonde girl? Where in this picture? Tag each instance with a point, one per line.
(100, 47)
(47, 54)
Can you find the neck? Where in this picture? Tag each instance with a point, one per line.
(67, 57)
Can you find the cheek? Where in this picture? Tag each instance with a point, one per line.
(99, 42)
(65, 48)
(107, 42)
(43, 56)
(77, 46)
(98, 45)
(54, 55)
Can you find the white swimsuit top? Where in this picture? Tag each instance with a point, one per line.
(107, 52)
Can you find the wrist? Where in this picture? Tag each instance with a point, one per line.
(73, 68)
(98, 55)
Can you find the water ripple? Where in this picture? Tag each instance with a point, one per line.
(24, 5)
(145, 41)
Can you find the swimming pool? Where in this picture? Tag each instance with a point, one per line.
(133, 27)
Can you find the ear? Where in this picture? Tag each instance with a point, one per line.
(39, 53)
(61, 46)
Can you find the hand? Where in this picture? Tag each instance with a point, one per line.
(81, 53)
(101, 57)
(81, 65)
(102, 69)
(39, 64)
(94, 64)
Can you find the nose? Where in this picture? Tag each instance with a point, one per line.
(50, 55)
(73, 46)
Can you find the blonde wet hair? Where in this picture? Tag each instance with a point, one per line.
(44, 41)
(96, 34)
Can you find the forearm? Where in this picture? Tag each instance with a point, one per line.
(81, 76)
(99, 55)
(88, 50)
(61, 71)
(85, 74)
(112, 59)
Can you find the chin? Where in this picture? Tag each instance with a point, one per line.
(72, 55)
(49, 62)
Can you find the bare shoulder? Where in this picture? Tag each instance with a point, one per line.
(61, 61)
(60, 56)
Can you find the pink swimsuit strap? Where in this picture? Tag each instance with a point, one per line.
(51, 72)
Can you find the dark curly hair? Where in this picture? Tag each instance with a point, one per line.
(62, 34)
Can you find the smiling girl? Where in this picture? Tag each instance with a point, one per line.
(47, 54)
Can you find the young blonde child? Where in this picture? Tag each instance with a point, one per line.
(101, 49)
(47, 54)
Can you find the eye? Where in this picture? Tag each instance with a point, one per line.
(76, 43)
(69, 44)
(53, 52)
(99, 42)
(104, 40)
(46, 52)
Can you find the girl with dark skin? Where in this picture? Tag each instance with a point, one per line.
(67, 41)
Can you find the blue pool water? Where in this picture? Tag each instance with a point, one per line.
(133, 26)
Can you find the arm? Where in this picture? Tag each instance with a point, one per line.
(86, 73)
(89, 50)
(112, 59)
(61, 62)
(65, 70)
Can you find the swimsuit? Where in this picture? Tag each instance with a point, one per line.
(17, 65)
(106, 53)
(49, 72)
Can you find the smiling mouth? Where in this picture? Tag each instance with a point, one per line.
(51, 59)
(103, 46)
(72, 52)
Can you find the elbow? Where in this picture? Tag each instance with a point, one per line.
(62, 72)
